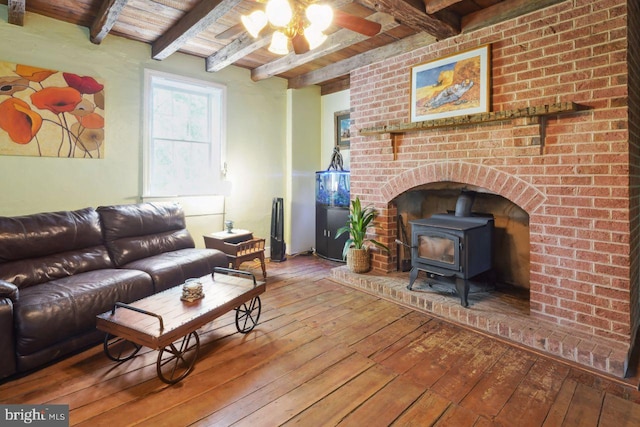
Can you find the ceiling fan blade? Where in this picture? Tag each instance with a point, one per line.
(300, 44)
(356, 23)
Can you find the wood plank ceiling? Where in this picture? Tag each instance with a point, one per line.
(211, 29)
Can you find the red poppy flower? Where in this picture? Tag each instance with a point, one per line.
(33, 74)
(57, 99)
(19, 121)
(84, 84)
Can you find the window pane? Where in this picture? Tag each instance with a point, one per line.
(181, 115)
(182, 168)
(184, 149)
(197, 126)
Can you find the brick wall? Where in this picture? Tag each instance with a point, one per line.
(575, 186)
(633, 58)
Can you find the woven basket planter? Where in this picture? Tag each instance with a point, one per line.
(358, 260)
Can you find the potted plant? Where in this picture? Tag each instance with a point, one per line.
(355, 249)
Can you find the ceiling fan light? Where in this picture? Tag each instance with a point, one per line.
(279, 44)
(279, 12)
(314, 36)
(255, 22)
(320, 16)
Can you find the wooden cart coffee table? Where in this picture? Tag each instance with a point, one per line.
(166, 323)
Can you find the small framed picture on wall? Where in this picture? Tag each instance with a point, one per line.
(343, 129)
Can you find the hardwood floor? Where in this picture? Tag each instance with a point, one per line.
(323, 355)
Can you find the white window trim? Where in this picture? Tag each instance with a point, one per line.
(175, 78)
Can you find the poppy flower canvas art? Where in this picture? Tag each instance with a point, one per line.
(49, 113)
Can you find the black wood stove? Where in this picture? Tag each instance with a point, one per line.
(452, 248)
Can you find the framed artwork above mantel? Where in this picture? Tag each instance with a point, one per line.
(454, 85)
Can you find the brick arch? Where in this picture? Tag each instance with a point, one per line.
(515, 189)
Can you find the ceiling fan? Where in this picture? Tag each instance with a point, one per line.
(298, 25)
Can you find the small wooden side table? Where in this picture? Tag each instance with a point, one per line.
(239, 246)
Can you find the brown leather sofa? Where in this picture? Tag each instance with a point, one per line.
(58, 270)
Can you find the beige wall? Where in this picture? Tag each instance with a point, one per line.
(256, 127)
(304, 147)
(331, 104)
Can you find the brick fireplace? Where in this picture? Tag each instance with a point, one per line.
(575, 175)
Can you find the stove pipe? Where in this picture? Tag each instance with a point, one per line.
(464, 203)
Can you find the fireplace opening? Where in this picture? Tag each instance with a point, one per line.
(442, 202)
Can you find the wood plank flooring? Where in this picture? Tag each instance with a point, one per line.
(327, 355)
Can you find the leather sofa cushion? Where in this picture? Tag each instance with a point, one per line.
(67, 307)
(173, 268)
(35, 271)
(134, 232)
(41, 247)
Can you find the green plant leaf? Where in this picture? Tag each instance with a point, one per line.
(360, 219)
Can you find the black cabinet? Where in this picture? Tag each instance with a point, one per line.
(332, 212)
(328, 220)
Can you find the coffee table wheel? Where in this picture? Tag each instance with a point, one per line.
(177, 360)
(247, 315)
(119, 349)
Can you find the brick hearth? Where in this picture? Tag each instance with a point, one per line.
(499, 314)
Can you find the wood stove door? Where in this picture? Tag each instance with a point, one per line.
(438, 249)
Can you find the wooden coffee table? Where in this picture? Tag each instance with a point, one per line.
(166, 323)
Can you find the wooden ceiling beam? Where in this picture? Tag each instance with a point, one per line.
(344, 67)
(503, 11)
(433, 6)
(195, 21)
(240, 47)
(412, 14)
(16, 10)
(105, 19)
(335, 42)
(335, 86)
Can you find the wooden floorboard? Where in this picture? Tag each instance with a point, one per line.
(324, 354)
(498, 384)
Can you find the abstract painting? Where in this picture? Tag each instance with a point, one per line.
(49, 113)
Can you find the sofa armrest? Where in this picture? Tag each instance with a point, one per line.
(8, 290)
(8, 364)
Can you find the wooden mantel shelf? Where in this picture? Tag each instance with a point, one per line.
(544, 110)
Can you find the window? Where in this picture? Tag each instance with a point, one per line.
(184, 135)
